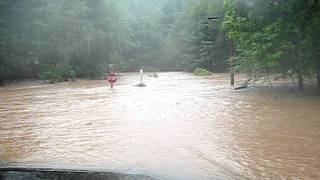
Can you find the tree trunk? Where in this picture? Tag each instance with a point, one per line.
(300, 82)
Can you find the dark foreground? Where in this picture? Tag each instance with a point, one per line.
(60, 174)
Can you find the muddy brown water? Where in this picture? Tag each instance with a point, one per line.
(178, 127)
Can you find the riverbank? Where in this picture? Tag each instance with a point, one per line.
(283, 84)
(23, 83)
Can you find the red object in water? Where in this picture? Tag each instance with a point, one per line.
(112, 78)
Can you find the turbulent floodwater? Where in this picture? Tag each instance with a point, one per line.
(178, 127)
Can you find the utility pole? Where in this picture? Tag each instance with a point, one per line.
(232, 53)
(107, 52)
(89, 43)
(318, 76)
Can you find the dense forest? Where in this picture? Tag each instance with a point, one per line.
(64, 39)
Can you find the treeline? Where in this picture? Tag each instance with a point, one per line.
(275, 36)
(64, 39)
(54, 40)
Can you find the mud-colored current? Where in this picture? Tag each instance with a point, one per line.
(178, 127)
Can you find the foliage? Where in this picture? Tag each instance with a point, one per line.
(205, 45)
(202, 72)
(274, 36)
(58, 73)
(253, 36)
(89, 35)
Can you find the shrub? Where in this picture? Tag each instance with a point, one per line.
(202, 72)
(58, 73)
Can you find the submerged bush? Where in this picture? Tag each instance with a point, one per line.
(202, 72)
(51, 76)
(58, 73)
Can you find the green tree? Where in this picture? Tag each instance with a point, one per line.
(275, 39)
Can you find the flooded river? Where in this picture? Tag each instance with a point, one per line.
(178, 127)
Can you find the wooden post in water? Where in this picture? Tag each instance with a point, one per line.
(232, 78)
